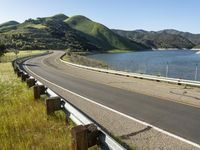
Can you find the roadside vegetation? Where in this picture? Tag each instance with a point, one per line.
(81, 59)
(118, 51)
(2, 49)
(10, 56)
(23, 121)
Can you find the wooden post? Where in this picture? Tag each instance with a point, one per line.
(53, 104)
(92, 135)
(67, 118)
(38, 90)
(30, 82)
(84, 137)
(13, 63)
(19, 73)
(24, 77)
(79, 138)
(16, 69)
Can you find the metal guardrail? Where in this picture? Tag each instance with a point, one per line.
(137, 75)
(107, 142)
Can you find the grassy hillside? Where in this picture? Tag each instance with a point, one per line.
(103, 37)
(194, 38)
(45, 33)
(9, 23)
(76, 33)
(157, 39)
(23, 122)
(8, 26)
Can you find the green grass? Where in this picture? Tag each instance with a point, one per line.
(100, 35)
(10, 56)
(36, 26)
(118, 51)
(23, 121)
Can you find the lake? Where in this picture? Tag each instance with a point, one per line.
(184, 64)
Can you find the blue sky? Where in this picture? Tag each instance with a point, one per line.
(119, 14)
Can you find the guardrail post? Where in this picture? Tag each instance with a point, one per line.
(19, 73)
(24, 77)
(30, 82)
(16, 69)
(53, 104)
(79, 138)
(92, 135)
(38, 90)
(84, 137)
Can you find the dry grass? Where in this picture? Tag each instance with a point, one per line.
(23, 122)
(10, 56)
(83, 60)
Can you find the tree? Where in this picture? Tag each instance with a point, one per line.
(2, 49)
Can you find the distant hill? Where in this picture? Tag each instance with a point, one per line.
(76, 33)
(194, 38)
(161, 39)
(9, 23)
(100, 35)
(8, 26)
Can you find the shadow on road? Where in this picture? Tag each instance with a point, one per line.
(127, 136)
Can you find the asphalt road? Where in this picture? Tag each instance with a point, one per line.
(179, 119)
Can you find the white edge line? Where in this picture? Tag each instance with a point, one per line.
(122, 114)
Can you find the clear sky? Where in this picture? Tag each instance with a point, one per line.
(119, 14)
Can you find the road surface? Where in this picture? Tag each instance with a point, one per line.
(179, 119)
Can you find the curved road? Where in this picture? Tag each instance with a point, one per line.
(179, 119)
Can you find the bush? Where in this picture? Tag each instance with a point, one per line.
(2, 49)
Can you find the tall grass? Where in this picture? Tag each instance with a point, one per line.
(23, 121)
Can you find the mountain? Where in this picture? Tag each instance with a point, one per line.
(8, 26)
(9, 23)
(100, 35)
(194, 38)
(76, 33)
(45, 33)
(160, 39)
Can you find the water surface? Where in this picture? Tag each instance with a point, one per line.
(184, 64)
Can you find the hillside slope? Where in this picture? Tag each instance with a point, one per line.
(9, 23)
(100, 35)
(157, 39)
(76, 33)
(8, 26)
(45, 33)
(194, 38)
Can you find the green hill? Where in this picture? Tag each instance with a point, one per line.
(100, 35)
(45, 33)
(9, 23)
(194, 38)
(8, 26)
(76, 33)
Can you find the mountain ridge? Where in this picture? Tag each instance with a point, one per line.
(58, 32)
(80, 33)
(101, 34)
(168, 38)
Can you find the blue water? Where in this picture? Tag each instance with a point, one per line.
(182, 64)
